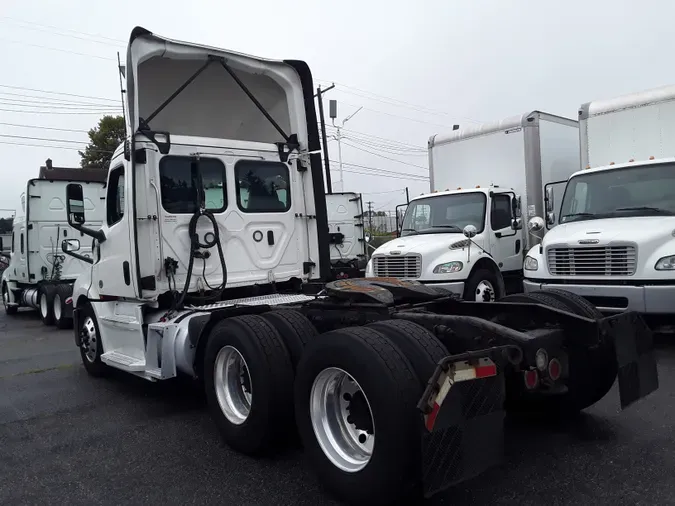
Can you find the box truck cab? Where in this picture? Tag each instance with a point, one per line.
(467, 235)
(614, 242)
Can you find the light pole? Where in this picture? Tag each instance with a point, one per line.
(338, 136)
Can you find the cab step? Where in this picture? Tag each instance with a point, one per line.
(122, 361)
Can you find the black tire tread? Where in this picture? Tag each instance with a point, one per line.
(295, 329)
(425, 342)
(49, 291)
(589, 310)
(63, 291)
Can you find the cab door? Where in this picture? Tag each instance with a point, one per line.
(505, 243)
(112, 272)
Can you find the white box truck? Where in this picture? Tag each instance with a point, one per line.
(346, 235)
(40, 275)
(466, 236)
(614, 242)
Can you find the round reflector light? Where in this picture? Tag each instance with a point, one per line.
(554, 369)
(531, 379)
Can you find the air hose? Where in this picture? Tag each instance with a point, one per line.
(195, 246)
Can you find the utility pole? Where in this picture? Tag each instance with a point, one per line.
(370, 216)
(338, 137)
(324, 140)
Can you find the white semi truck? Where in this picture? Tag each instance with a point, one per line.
(466, 236)
(346, 235)
(39, 274)
(614, 242)
(211, 264)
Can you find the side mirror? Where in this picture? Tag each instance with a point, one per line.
(550, 218)
(70, 245)
(535, 224)
(75, 204)
(470, 231)
(1, 246)
(549, 199)
(517, 224)
(515, 207)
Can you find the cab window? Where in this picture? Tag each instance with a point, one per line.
(500, 216)
(115, 198)
(179, 177)
(262, 187)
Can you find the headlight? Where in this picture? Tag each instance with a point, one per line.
(448, 268)
(666, 263)
(530, 264)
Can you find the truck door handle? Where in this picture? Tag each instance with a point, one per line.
(270, 237)
(517, 246)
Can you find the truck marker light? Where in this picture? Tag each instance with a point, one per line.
(69, 300)
(531, 379)
(477, 186)
(462, 371)
(611, 163)
(651, 157)
(554, 369)
(541, 359)
(632, 160)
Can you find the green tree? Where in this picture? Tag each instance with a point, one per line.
(6, 225)
(103, 139)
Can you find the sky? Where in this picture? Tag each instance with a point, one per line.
(416, 68)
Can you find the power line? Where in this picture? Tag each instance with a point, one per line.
(24, 103)
(54, 32)
(394, 101)
(44, 128)
(56, 49)
(388, 158)
(57, 112)
(116, 100)
(400, 116)
(384, 149)
(376, 137)
(51, 100)
(49, 146)
(385, 172)
(68, 141)
(63, 29)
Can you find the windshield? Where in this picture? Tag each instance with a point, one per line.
(445, 214)
(635, 191)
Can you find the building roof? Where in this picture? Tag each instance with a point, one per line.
(73, 174)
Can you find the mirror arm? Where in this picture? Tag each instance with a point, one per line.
(76, 255)
(99, 235)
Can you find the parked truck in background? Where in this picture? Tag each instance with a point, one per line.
(614, 242)
(346, 235)
(39, 274)
(466, 235)
(393, 386)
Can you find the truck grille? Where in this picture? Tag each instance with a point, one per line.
(593, 261)
(403, 266)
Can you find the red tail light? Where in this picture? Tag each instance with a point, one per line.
(554, 369)
(531, 379)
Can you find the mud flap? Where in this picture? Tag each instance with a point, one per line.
(463, 431)
(634, 347)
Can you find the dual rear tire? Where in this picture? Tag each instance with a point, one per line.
(266, 376)
(52, 305)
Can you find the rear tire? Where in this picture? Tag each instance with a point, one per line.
(418, 345)
(592, 371)
(10, 310)
(91, 346)
(295, 330)
(59, 307)
(248, 377)
(46, 303)
(352, 385)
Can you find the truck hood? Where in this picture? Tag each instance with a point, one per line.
(423, 244)
(642, 229)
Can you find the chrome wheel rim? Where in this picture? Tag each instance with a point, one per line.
(57, 306)
(5, 298)
(89, 339)
(485, 292)
(232, 382)
(44, 307)
(342, 420)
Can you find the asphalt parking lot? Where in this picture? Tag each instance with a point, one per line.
(67, 438)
